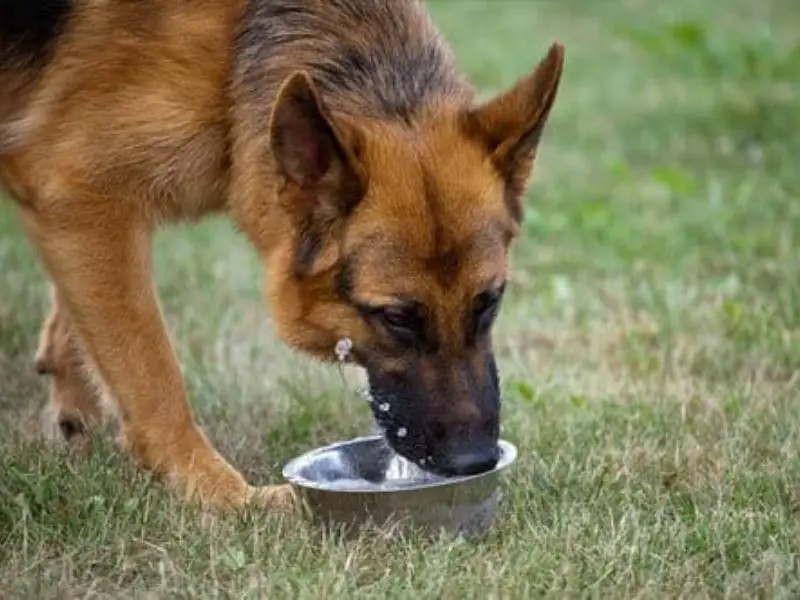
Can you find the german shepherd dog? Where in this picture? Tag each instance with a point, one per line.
(338, 135)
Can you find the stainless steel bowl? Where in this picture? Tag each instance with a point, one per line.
(363, 481)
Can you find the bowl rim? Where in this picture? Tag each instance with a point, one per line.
(508, 454)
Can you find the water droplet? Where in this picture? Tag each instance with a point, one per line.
(402, 432)
(342, 349)
(385, 407)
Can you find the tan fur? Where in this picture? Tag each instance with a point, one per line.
(139, 118)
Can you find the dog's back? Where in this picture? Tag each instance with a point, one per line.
(29, 31)
(371, 58)
(159, 70)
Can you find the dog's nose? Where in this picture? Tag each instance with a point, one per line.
(471, 461)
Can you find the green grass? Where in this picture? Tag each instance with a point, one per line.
(650, 350)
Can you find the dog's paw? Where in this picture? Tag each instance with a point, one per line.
(66, 429)
(280, 499)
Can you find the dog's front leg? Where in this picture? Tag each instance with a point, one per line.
(100, 261)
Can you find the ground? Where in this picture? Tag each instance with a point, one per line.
(650, 350)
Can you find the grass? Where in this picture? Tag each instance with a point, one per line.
(650, 350)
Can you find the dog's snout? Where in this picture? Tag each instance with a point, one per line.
(450, 429)
(471, 461)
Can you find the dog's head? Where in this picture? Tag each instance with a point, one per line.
(401, 240)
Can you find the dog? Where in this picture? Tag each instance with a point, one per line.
(340, 137)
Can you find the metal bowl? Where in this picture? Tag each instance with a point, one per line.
(362, 481)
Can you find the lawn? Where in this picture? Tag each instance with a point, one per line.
(649, 347)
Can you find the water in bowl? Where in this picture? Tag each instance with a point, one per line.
(401, 469)
(399, 473)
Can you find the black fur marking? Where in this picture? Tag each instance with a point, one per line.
(29, 29)
(308, 248)
(513, 198)
(481, 318)
(381, 52)
(344, 281)
(413, 76)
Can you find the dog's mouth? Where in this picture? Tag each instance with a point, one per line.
(442, 428)
(422, 443)
(402, 434)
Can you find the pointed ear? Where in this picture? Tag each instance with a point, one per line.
(511, 124)
(318, 160)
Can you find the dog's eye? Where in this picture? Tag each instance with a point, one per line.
(400, 318)
(485, 309)
(397, 317)
(405, 323)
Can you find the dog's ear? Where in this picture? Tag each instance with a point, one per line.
(318, 161)
(510, 125)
